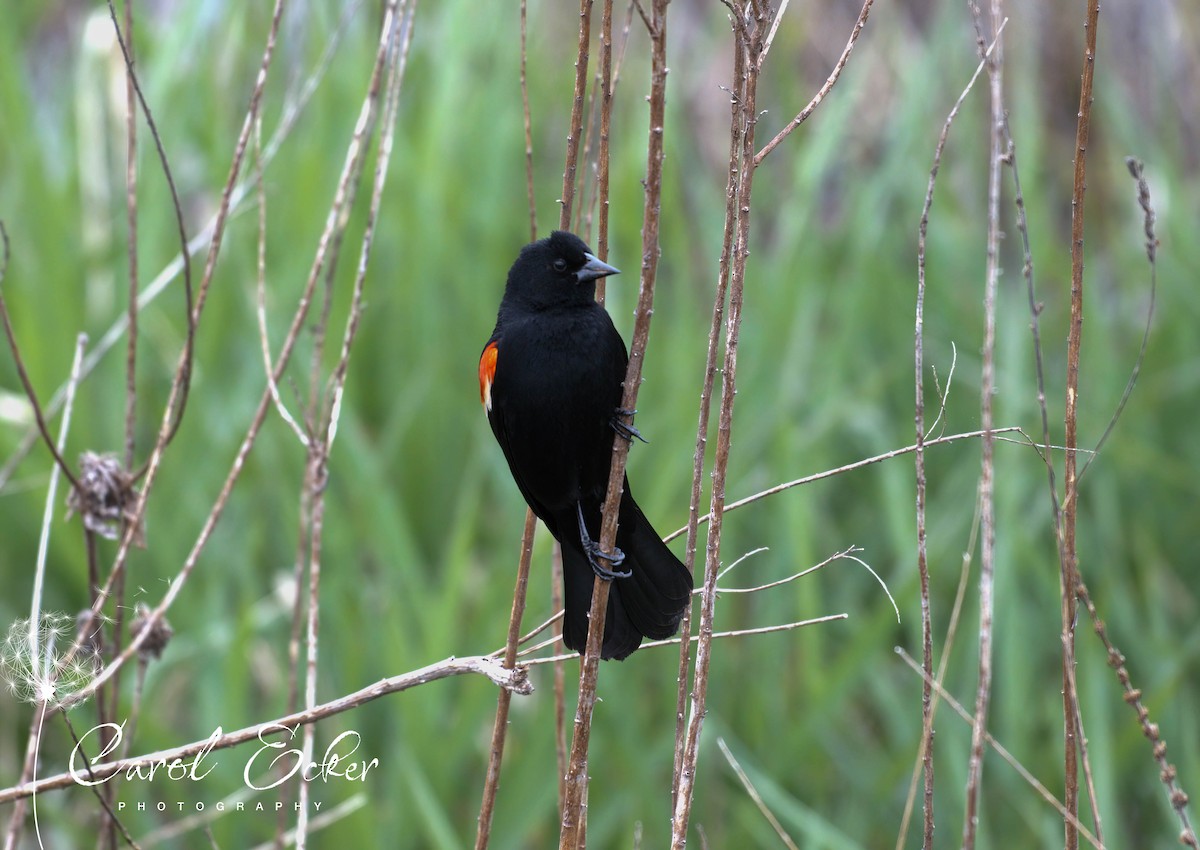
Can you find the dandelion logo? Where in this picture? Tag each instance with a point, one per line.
(36, 662)
(36, 669)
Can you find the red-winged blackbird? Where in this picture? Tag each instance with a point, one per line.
(550, 379)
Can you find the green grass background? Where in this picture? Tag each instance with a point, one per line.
(423, 521)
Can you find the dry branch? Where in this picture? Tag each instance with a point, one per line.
(927, 707)
(573, 814)
(1070, 562)
(516, 680)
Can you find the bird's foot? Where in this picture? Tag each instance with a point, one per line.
(625, 430)
(615, 557)
(595, 554)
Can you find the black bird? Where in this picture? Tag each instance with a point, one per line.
(550, 379)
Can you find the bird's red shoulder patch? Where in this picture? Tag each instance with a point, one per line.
(487, 372)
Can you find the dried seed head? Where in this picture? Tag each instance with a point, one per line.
(105, 497)
(158, 637)
(37, 667)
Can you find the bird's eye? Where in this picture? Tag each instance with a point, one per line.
(560, 265)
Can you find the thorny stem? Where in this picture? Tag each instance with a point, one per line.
(528, 127)
(572, 157)
(748, 36)
(706, 389)
(573, 814)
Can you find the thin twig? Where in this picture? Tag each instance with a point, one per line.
(845, 554)
(572, 156)
(749, 786)
(849, 467)
(131, 218)
(960, 594)
(528, 126)
(17, 818)
(1169, 776)
(491, 785)
(1000, 750)
(20, 364)
(675, 641)
(1070, 568)
(1135, 170)
(987, 510)
(808, 110)
(110, 817)
(177, 400)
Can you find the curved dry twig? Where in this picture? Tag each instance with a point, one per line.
(177, 401)
(30, 393)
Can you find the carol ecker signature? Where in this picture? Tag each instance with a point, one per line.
(273, 758)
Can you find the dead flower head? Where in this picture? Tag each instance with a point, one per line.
(105, 497)
(157, 639)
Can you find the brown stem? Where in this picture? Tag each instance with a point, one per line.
(572, 156)
(528, 127)
(1070, 574)
(749, 37)
(710, 370)
(491, 784)
(576, 783)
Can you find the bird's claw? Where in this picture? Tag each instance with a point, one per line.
(595, 555)
(615, 557)
(626, 430)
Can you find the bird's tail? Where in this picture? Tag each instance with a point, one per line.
(649, 603)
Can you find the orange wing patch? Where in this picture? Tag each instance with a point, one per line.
(487, 372)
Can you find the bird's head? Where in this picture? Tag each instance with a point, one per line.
(555, 271)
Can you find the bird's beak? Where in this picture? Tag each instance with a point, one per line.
(595, 269)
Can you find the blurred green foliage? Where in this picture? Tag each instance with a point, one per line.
(423, 520)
